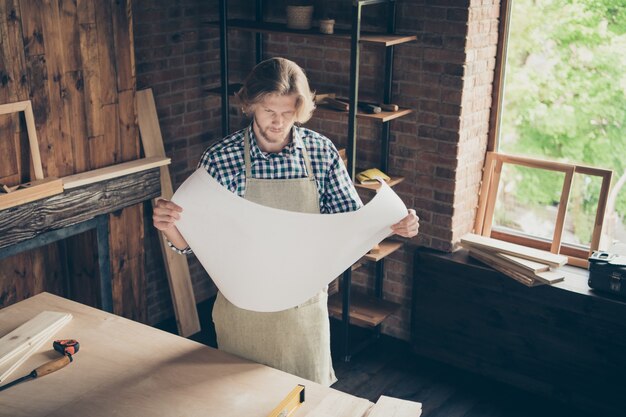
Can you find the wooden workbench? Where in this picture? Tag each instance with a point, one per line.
(125, 368)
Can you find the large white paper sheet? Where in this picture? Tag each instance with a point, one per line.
(265, 259)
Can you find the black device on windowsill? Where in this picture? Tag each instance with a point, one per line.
(607, 272)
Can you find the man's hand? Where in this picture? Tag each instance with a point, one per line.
(408, 226)
(165, 214)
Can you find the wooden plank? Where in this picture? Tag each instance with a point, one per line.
(600, 211)
(113, 171)
(59, 160)
(495, 260)
(128, 130)
(106, 52)
(38, 76)
(525, 263)
(395, 407)
(485, 187)
(489, 244)
(491, 198)
(492, 261)
(555, 247)
(32, 28)
(12, 49)
(121, 13)
(23, 336)
(176, 266)
(33, 191)
(127, 260)
(91, 76)
(75, 107)
(337, 405)
(30, 342)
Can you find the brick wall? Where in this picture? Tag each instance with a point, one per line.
(445, 77)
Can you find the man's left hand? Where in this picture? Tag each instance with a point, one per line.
(408, 226)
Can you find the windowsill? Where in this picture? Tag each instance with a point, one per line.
(575, 278)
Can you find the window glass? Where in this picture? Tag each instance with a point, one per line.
(564, 99)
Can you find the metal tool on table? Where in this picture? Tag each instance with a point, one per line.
(66, 347)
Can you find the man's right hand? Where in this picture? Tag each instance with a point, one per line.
(165, 214)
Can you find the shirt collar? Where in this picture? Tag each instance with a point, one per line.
(296, 143)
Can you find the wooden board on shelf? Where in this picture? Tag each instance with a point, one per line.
(32, 191)
(485, 243)
(383, 116)
(272, 27)
(365, 310)
(393, 181)
(113, 171)
(387, 247)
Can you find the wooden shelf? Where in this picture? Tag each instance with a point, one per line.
(393, 181)
(387, 247)
(273, 27)
(365, 311)
(383, 117)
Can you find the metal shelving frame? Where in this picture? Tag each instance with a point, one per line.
(355, 47)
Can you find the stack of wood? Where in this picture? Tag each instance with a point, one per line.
(27, 339)
(526, 265)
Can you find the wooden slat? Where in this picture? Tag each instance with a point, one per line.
(38, 75)
(489, 244)
(32, 28)
(121, 14)
(395, 407)
(113, 171)
(22, 337)
(492, 261)
(525, 263)
(560, 218)
(600, 211)
(176, 266)
(59, 160)
(12, 49)
(21, 343)
(491, 197)
(33, 191)
(91, 74)
(106, 53)
(485, 188)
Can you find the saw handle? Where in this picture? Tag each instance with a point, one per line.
(51, 366)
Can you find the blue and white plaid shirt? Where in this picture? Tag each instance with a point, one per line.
(225, 162)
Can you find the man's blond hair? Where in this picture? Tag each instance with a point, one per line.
(278, 76)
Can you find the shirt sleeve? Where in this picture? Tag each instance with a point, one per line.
(185, 251)
(339, 195)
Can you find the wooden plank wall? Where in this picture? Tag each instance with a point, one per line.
(75, 60)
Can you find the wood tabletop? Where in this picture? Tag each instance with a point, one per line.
(125, 368)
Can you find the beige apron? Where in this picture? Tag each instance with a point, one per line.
(296, 340)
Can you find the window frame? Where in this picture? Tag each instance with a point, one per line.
(493, 165)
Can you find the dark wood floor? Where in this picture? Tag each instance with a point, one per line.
(388, 367)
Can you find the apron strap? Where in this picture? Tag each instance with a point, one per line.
(246, 156)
